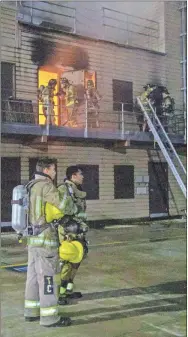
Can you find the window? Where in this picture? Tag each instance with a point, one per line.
(7, 85)
(32, 168)
(7, 80)
(122, 93)
(10, 177)
(91, 181)
(123, 182)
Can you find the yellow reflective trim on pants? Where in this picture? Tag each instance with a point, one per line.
(62, 290)
(70, 286)
(33, 241)
(50, 311)
(32, 304)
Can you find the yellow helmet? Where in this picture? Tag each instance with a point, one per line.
(52, 213)
(71, 251)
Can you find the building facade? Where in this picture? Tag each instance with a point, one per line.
(126, 175)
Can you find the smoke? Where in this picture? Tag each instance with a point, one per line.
(50, 53)
(42, 51)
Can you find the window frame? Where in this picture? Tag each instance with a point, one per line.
(4, 210)
(97, 191)
(13, 78)
(116, 82)
(118, 194)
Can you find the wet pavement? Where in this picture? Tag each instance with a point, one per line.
(133, 284)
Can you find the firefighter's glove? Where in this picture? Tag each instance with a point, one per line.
(20, 237)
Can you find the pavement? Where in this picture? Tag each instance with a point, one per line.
(133, 284)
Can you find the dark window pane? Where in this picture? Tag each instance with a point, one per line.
(7, 80)
(7, 87)
(32, 168)
(123, 182)
(10, 177)
(91, 181)
(122, 93)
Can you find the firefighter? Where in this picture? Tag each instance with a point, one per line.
(46, 97)
(167, 103)
(93, 99)
(148, 88)
(71, 102)
(41, 293)
(75, 207)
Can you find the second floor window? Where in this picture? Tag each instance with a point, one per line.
(7, 80)
(122, 93)
(7, 86)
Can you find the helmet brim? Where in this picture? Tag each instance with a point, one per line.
(80, 249)
(80, 252)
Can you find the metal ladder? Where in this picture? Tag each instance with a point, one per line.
(164, 143)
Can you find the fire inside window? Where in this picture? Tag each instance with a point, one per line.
(52, 107)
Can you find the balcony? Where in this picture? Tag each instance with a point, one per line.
(114, 121)
(101, 23)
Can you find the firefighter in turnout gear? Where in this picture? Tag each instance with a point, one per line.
(46, 97)
(74, 199)
(71, 101)
(168, 103)
(41, 293)
(148, 88)
(93, 99)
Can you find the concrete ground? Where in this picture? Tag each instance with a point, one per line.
(133, 281)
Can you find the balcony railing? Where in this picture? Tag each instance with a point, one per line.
(104, 23)
(110, 116)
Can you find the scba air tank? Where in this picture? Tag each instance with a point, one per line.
(19, 208)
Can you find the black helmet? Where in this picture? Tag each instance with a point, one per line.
(146, 86)
(64, 80)
(52, 82)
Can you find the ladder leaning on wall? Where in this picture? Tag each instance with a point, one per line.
(164, 143)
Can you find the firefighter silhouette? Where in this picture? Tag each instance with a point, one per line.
(69, 95)
(46, 97)
(93, 99)
(162, 102)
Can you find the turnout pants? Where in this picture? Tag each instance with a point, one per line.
(72, 116)
(68, 273)
(41, 293)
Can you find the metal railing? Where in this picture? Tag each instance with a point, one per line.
(44, 12)
(137, 31)
(110, 116)
(104, 23)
